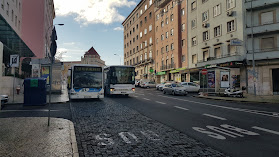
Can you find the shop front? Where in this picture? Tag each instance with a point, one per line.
(160, 77)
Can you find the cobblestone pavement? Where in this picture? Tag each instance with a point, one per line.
(106, 128)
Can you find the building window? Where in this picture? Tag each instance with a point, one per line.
(167, 35)
(8, 8)
(194, 59)
(194, 23)
(217, 10)
(140, 34)
(145, 31)
(157, 16)
(182, 12)
(172, 46)
(183, 42)
(150, 2)
(162, 23)
(183, 58)
(203, 1)
(145, 19)
(267, 18)
(141, 12)
(12, 15)
(150, 40)
(182, 27)
(230, 26)
(171, 32)
(194, 41)
(150, 15)
(205, 55)
(267, 44)
(162, 37)
(217, 31)
(145, 43)
(167, 48)
(193, 5)
(157, 41)
(145, 7)
(171, 17)
(140, 45)
(134, 29)
(205, 36)
(150, 54)
(204, 16)
(137, 37)
(230, 4)
(16, 21)
(150, 28)
(162, 50)
(217, 52)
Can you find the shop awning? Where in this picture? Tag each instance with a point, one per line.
(12, 42)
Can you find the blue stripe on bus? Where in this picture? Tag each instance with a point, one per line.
(90, 90)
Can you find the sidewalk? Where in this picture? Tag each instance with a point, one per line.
(247, 98)
(55, 97)
(32, 137)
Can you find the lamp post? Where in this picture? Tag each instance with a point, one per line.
(50, 70)
(119, 57)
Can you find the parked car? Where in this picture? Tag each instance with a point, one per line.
(4, 99)
(174, 89)
(142, 81)
(148, 85)
(191, 87)
(161, 86)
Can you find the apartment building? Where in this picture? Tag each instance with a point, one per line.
(38, 16)
(262, 32)
(216, 42)
(11, 11)
(171, 40)
(139, 38)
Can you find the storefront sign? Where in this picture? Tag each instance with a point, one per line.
(45, 74)
(225, 82)
(161, 73)
(174, 71)
(211, 66)
(179, 69)
(230, 64)
(211, 79)
(235, 42)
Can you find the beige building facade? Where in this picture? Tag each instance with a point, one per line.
(139, 40)
(92, 57)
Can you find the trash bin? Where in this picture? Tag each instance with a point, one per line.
(34, 91)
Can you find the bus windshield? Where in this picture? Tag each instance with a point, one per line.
(122, 75)
(87, 79)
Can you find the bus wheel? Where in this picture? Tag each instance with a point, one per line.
(126, 95)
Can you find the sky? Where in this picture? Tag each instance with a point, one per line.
(88, 23)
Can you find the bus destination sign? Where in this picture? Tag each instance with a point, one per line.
(89, 69)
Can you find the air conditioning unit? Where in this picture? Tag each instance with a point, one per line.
(204, 25)
(230, 13)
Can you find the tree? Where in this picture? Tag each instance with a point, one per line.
(59, 55)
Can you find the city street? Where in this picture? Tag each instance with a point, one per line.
(237, 129)
(150, 123)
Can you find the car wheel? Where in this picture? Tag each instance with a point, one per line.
(173, 93)
(147, 87)
(164, 92)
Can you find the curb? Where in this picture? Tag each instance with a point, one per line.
(73, 140)
(244, 101)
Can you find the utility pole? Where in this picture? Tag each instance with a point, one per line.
(253, 52)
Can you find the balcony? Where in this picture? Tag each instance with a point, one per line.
(168, 67)
(263, 29)
(220, 59)
(161, 3)
(261, 54)
(260, 4)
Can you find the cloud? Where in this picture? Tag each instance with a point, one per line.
(70, 43)
(93, 11)
(118, 29)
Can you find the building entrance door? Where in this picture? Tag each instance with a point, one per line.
(275, 80)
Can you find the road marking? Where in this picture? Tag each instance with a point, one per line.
(136, 96)
(212, 116)
(181, 108)
(160, 102)
(42, 110)
(146, 99)
(124, 136)
(264, 113)
(266, 130)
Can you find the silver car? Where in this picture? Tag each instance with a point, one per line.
(174, 89)
(4, 99)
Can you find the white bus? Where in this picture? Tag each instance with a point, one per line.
(85, 81)
(119, 79)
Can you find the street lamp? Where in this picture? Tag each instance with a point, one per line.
(50, 70)
(119, 57)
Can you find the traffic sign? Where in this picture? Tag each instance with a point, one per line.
(204, 71)
(14, 60)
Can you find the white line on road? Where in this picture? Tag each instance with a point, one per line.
(42, 110)
(264, 113)
(135, 96)
(181, 108)
(146, 99)
(212, 116)
(266, 130)
(160, 102)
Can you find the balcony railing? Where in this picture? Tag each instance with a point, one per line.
(263, 50)
(167, 67)
(219, 57)
(161, 3)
